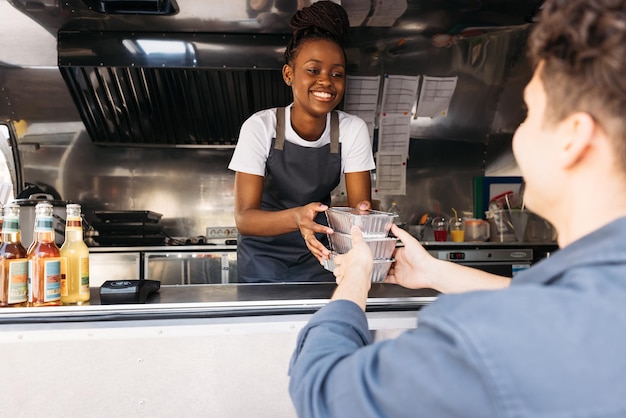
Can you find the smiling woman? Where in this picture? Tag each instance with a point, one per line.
(288, 160)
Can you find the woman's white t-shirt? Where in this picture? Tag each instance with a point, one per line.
(257, 132)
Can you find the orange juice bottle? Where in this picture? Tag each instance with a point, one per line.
(75, 257)
(44, 261)
(13, 261)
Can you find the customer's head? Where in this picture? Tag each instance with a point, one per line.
(581, 46)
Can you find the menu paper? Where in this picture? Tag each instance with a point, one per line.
(361, 99)
(399, 93)
(394, 132)
(357, 11)
(435, 96)
(386, 12)
(390, 173)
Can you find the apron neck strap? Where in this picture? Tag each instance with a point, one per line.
(280, 130)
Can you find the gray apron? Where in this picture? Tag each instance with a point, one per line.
(294, 176)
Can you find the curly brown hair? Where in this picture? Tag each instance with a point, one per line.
(582, 45)
(321, 20)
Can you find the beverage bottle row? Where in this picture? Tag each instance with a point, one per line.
(43, 275)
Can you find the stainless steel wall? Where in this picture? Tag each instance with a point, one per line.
(192, 187)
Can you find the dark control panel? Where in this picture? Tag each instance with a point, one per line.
(127, 291)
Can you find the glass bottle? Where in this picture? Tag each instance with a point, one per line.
(13, 261)
(44, 261)
(396, 211)
(75, 260)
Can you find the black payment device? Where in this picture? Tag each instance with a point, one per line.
(127, 291)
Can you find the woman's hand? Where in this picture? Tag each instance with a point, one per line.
(364, 205)
(305, 219)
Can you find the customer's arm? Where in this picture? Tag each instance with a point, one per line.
(415, 268)
(353, 271)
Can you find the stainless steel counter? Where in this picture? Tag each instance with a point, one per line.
(195, 350)
(201, 350)
(215, 301)
(162, 248)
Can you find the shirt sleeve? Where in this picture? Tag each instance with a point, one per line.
(356, 147)
(253, 145)
(336, 370)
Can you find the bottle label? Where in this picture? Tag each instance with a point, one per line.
(18, 281)
(65, 290)
(52, 280)
(74, 223)
(10, 225)
(43, 224)
(84, 276)
(30, 281)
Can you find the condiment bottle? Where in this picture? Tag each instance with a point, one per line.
(13, 261)
(44, 261)
(396, 211)
(75, 260)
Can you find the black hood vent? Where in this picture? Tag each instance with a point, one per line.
(171, 107)
(152, 7)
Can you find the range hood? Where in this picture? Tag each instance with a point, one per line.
(174, 89)
(191, 77)
(151, 7)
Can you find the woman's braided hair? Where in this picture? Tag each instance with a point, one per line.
(321, 20)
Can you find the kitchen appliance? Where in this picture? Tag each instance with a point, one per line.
(502, 261)
(27, 217)
(128, 228)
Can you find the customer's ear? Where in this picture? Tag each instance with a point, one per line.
(576, 133)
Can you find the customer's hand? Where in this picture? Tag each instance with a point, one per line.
(415, 268)
(353, 270)
(411, 268)
(305, 219)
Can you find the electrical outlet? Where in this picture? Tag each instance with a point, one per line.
(221, 232)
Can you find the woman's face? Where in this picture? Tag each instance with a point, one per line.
(317, 76)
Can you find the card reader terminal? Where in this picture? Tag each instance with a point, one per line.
(127, 291)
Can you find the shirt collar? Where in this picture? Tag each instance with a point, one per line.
(602, 246)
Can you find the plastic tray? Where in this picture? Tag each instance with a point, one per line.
(379, 270)
(381, 247)
(373, 223)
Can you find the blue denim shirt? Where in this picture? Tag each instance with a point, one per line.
(551, 345)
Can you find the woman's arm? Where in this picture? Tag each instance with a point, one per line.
(359, 189)
(252, 220)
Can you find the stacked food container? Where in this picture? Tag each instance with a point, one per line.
(375, 226)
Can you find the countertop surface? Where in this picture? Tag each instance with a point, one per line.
(427, 244)
(228, 300)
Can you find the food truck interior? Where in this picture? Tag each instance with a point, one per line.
(132, 109)
(135, 106)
